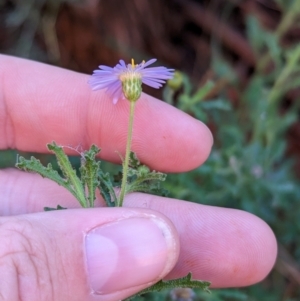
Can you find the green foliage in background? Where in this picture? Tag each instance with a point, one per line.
(249, 168)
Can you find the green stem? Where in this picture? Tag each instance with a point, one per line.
(292, 62)
(126, 161)
(289, 19)
(284, 25)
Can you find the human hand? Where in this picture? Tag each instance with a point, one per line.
(72, 254)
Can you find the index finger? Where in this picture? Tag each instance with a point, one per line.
(41, 103)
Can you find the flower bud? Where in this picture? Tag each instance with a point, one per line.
(176, 82)
(132, 86)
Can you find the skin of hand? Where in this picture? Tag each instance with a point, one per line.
(110, 253)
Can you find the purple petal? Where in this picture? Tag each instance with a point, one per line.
(103, 67)
(155, 79)
(117, 95)
(122, 63)
(114, 88)
(158, 70)
(156, 75)
(149, 62)
(151, 84)
(97, 83)
(104, 72)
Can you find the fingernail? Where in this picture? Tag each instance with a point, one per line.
(128, 253)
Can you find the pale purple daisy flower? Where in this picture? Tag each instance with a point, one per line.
(126, 80)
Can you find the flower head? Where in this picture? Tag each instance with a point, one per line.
(127, 80)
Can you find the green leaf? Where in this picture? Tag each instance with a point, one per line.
(223, 69)
(107, 189)
(34, 165)
(133, 160)
(89, 170)
(202, 92)
(187, 103)
(184, 282)
(216, 104)
(69, 172)
(142, 179)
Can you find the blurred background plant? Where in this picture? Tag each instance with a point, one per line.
(239, 63)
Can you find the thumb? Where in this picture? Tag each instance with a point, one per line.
(84, 254)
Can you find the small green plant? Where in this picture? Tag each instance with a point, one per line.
(121, 81)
